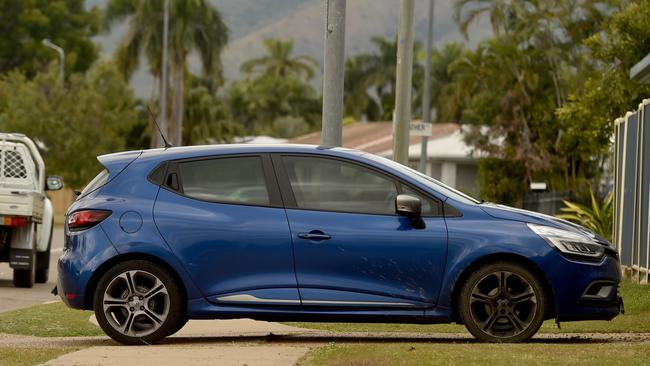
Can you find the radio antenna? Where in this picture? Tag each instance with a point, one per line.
(153, 118)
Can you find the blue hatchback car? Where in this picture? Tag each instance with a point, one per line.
(306, 233)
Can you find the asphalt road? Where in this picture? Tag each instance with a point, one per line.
(14, 298)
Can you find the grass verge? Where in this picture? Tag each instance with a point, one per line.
(48, 320)
(478, 354)
(636, 320)
(10, 356)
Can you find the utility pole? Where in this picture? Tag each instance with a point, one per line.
(426, 108)
(333, 72)
(48, 43)
(403, 82)
(164, 76)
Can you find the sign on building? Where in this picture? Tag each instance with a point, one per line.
(420, 129)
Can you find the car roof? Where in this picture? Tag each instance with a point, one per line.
(183, 152)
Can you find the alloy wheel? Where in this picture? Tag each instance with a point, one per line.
(503, 304)
(136, 303)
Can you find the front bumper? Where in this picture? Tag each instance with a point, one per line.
(585, 290)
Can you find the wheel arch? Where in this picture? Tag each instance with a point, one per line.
(551, 309)
(104, 267)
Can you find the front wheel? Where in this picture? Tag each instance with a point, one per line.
(503, 302)
(137, 302)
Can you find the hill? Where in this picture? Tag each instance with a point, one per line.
(251, 21)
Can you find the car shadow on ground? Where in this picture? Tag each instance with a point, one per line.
(293, 338)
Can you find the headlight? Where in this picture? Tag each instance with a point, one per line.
(569, 242)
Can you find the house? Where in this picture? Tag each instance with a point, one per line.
(450, 160)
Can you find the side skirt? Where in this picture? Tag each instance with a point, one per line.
(202, 309)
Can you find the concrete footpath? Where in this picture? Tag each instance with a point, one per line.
(248, 342)
(205, 342)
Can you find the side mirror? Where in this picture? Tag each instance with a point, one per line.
(53, 183)
(408, 206)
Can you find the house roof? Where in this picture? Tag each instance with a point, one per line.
(376, 137)
(641, 71)
(258, 140)
(450, 147)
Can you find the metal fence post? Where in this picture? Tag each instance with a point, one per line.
(643, 190)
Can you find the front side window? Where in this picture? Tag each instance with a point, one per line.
(434, 184)
(334, 185)
(228, 180)
(430, 207)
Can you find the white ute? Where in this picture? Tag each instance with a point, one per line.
(26, 215)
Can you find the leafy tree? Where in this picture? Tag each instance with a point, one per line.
(608, 91)
(207, 116)
(89, 117)
(510, 87)
(279, 62)
(444, 98)
(358, 103)
(370, 81)
(194, 25)
(264, 104)
(25, 23)
(501, 181)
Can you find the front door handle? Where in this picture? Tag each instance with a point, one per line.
(315, 235)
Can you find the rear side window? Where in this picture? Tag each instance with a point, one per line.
(97, 182)
(229, 180)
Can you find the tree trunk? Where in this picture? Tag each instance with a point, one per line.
(177, 105)
(152, 126)
(155, 134)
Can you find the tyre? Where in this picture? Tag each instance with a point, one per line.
(25, 277)
(181, 323)
(138, 302)
(41, 274)
(503, 302)
(43, 260)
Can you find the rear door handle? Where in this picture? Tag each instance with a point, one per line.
(315, 235)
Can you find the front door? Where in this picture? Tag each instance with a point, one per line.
(224, 220)
(351, 249)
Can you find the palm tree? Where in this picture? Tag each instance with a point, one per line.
(372, 76)
(194, 25)
(279, 62)
(501, 13)
(357, 102)
(598, 217)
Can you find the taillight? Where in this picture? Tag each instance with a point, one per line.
(15, 221)
(85, 219)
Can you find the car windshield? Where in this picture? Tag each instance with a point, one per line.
(425, 179)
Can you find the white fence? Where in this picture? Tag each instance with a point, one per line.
(632, 191)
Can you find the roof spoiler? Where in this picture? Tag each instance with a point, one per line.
(117, 162)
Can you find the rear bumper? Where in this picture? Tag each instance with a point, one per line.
(84, 252)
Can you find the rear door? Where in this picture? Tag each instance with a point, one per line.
(223, 217)
(351, 249)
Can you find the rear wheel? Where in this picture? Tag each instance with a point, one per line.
(138, 302)
(43, 260)
(25, 277)
(503, 302)
(179, 325)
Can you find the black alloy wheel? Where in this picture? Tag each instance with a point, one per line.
(503, 302)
